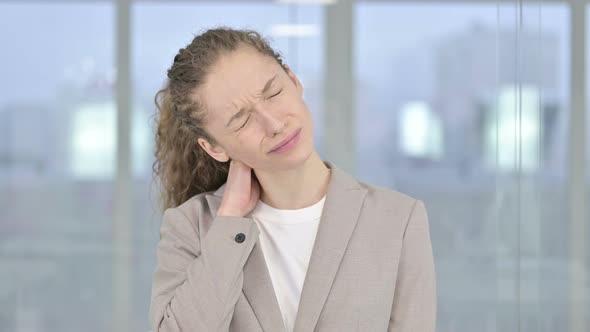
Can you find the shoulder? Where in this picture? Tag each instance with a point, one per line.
(188, 216)
(386, 204)
(196, 206)
(388, 197)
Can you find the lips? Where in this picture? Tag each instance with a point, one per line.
(286, 140)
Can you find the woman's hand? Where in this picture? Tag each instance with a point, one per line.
(242, 191)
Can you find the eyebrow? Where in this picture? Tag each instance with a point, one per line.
(244, 109)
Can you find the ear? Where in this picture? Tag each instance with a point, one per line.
(215, 152)
(295, 80)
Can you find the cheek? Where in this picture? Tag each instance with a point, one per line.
(247, 148)
(248, 139)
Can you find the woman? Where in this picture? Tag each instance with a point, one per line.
(258, 232)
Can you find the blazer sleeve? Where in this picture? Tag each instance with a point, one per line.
(197, 281)
(414, 305)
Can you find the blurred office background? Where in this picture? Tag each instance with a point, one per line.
(477, 107)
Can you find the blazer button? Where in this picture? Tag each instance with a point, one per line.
(240, 237)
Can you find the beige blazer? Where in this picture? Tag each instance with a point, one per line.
(371, 267)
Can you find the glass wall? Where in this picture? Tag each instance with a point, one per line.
(57, 155)
(466, 106)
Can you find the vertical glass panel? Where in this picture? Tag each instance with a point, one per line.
(465, 105)
(57, 150)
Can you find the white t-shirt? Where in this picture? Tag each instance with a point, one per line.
(286, 238)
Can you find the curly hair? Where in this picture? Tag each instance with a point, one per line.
(181, 165)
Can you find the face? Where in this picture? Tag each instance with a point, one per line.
(252, 105)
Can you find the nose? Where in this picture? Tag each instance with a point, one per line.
(271, 120)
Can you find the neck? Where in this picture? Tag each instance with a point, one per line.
(295, 188)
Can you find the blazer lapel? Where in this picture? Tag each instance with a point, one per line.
(339, 216)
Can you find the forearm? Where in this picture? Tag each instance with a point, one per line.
(196, 285)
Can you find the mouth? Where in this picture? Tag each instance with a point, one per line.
(286, 140)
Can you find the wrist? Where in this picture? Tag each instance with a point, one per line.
(225, 212)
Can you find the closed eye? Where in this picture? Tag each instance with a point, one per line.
(276, 93)
(244, 123)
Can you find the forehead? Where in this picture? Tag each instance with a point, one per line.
(235, 76)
